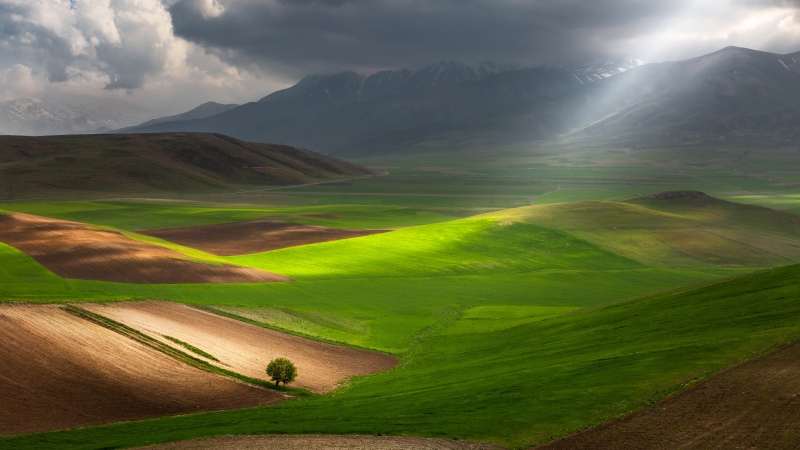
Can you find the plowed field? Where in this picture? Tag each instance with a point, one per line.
(61, 371)
(245, 348)
(239, 238)
(323, 443)
(753, 405)
(72, 250)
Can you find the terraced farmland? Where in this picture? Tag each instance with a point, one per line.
(61, 371)
(243, 348)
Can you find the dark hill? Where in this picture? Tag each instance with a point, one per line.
(169, 162)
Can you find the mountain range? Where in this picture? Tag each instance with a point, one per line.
(729, 92)
(348, 113)
(732, 91)
(35, 116)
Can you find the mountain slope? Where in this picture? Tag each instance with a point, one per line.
(347, 115)
(730, 92)
(157, 162)
(207, 109)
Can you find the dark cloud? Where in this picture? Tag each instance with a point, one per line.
(314, 35)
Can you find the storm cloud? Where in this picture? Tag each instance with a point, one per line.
(171, 55)
(302, 36)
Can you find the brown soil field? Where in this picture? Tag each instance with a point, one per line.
(753, 405)
(316, 442)
(245, 348)
(73, 250)
(60, 371)
(255, 236)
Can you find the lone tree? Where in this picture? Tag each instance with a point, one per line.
(281, 370)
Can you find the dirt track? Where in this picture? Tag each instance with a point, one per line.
(750, 406)
(60, 371)
(322, 443)
(245, 348)
(239, 238)
(71, 250)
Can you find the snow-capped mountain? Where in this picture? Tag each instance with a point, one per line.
(36, 117)
(347, 87)
(591, 72)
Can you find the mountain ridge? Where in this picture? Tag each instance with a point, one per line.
(732, 91)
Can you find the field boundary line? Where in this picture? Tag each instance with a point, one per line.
(175, 353)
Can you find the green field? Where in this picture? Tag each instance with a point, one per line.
(515, 326)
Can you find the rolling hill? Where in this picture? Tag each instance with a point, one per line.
(679, 228)
(136, 164)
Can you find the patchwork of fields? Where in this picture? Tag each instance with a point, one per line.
(515, 327)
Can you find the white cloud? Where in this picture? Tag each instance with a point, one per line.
(120, 51)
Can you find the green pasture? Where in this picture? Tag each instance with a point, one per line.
(514, 327)
(463, 247)
(489, 176)
(676, 233)
(520, 385)
(138, 216)
(381, 312)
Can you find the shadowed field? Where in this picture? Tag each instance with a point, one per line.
(74, 250)
(240, 238)
(752, 405)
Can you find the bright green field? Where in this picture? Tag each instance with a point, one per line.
(514, 328)
(516, 385)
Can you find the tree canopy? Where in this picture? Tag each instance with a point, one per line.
(281, 370)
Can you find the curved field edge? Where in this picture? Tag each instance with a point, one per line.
(138, 216)
(754, 404)
(523, 385)
(463, 247)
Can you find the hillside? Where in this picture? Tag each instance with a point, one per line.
(177, 162)
(679, 228)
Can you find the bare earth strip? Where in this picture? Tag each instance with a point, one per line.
(753, 405)
(255, 236)
(72, 250)
(60, 371)
(322, 443)
(245, 348)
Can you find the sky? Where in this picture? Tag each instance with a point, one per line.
(158, 57)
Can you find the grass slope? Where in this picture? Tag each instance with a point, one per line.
(463, 247)
(519, 385)
(136, 216)
(676, 232)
